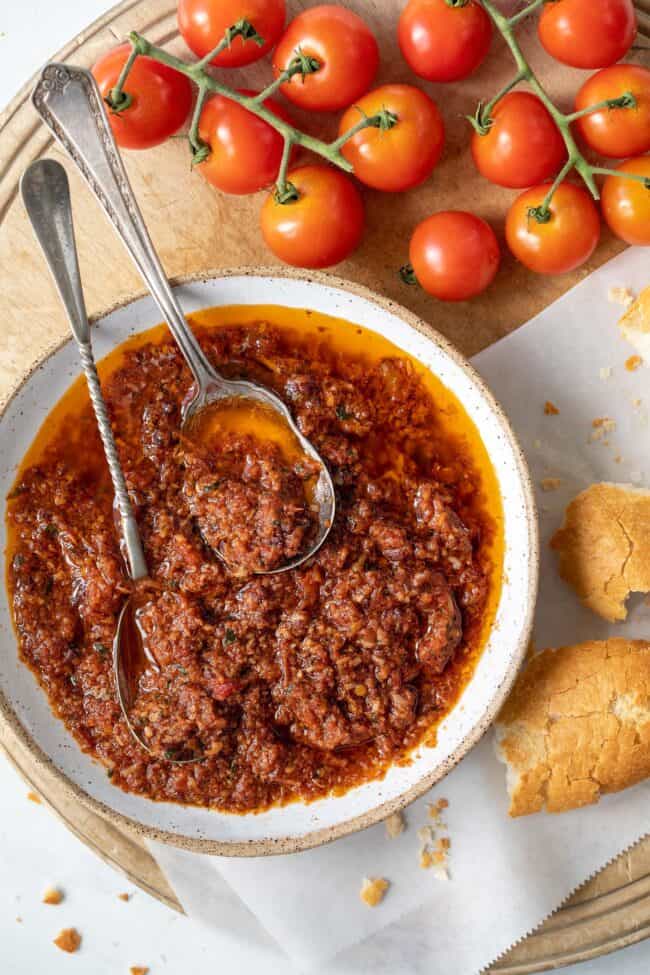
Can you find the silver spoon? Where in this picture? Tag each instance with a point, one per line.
(46, 195)
(69, 102)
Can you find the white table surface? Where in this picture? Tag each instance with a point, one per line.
(35, 849)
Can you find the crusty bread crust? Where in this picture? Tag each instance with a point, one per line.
(604, 546)
(577, 725)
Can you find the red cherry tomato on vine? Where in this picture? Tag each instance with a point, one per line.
(322, 226)
(345, 48)
(441, 41)
(404, 155)
(161, 98)
(616, 132)
(203, 24)
(587, 33)
(523, 145)
(245, 151)
(565, 240)
(454, 255)
(626, 203)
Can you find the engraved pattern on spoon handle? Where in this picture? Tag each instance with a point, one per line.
(130, 533)
(70, 104)
(46, 195)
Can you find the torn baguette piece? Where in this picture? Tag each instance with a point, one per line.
(635, 324)
(577, 725)
(604, 546)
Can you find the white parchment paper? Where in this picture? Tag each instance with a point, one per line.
(506, 875)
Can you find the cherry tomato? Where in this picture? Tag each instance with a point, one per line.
(523, 145)
(322, 226)
(616, 132)
(587, 33)
(565, 241)
(245, 151)
(441, 42)
(626, 202)
(454, 255)
(405, 154)
(203, 24)
(161, 98)
(345, 48)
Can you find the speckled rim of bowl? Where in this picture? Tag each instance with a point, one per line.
(383, 810)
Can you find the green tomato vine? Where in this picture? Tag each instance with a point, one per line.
(119, 101)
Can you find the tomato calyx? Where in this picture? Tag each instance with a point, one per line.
(457, 3)
(286, 194)
(244, 29)
(541, 213)
(303, 64)
(481, 121)
(407, 274)
(118, 101)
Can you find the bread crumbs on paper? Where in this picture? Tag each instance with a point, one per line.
(124, 897)
(68, 940)
(52, 895)
(435, 810)
(395, 825)
(550, 483)
(33, 797)
(373, 890)
(633, 363)
(550, 409)
(620, 296)
(138, 970)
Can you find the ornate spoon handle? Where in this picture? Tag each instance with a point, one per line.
(69, 102)
(46, 195)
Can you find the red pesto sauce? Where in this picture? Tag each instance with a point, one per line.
(300, 684)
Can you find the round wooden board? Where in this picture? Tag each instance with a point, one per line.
(195, 228)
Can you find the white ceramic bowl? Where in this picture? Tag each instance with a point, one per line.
(298, 825)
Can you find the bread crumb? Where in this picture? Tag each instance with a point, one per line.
(19, 920)
(395, 825)
(425, 834)
(537, 444)
(618, 459)
(425, 859)
(124, 897)
(603, 423)
(550, 483)
(68, 940)
(550, 409)
(138, 970)
(435, 809)
(621, 296)
(33, 797)
(373, 890)
(633, 363)
(52, 895)
(605, 373)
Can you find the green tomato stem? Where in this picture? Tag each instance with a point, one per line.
(383, 120)
(281, 185)
(200, 149)
(526, 12)
(623, 101)
(544, 208)
(481, 121)
(637, 177)
(118, 100)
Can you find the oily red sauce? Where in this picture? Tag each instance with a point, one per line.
(297, 684)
